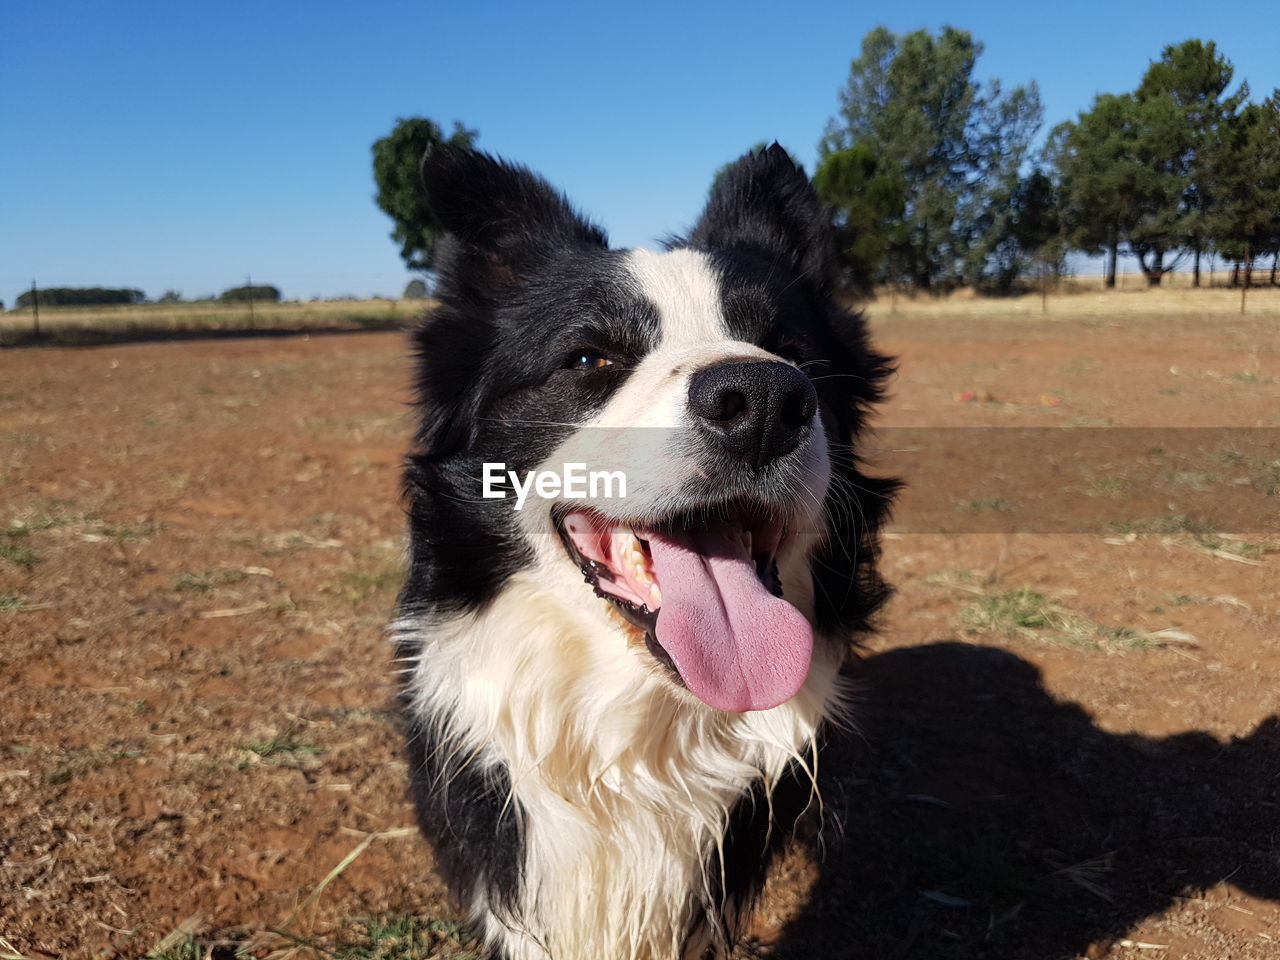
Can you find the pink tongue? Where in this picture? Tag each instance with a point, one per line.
(736, 645)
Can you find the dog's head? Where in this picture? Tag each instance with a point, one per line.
(719, 380)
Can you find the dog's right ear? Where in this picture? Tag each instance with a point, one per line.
(501, 221)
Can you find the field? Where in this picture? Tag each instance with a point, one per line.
(1068, 743)
(81, 325)
(1075, 297)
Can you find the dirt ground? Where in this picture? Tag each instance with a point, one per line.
(1068, 743)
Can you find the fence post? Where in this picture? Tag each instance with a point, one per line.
(1244, 285)
(35, 309)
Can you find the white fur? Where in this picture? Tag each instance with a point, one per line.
(684, 288)
(624, 783)
(625, 780)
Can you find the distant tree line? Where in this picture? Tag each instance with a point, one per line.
(259, 294)
(105, 296)
(1178, 168)
(79, 297)
(933, 182)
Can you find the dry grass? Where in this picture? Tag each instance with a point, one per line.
(1076, 297)
(1084, 297)
(400, 938)
(76, 324)
(1028, 614)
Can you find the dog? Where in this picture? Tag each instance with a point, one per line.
(614, 703)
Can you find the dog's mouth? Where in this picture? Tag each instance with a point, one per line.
(705, 590)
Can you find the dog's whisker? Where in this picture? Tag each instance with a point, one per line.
(529, 423)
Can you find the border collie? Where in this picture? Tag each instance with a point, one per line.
(604, 768)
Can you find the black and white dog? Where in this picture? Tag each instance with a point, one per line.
(604, 766)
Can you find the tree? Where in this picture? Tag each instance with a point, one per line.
(1136, 169)
(81, 297)
(170, 296)
(1268, 152)
(1030, 232)
(956, 146)
(1244, 170)
(256, 293)
(396, 161)
(1194, 77)
(1161, 143)
(1003, 129)
(1095, 162)
(868, 205)
(414, 290)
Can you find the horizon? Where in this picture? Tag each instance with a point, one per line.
(166, 149)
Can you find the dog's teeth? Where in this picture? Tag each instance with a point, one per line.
(631, 556)
(628, 546)
(746, 540)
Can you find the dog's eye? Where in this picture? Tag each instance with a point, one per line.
(589, 361)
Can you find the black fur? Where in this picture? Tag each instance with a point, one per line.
(476, 834)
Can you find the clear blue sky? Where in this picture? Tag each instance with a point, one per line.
(178, 145)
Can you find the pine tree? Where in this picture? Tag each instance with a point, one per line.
(954, 145)
(1195, 77)
(868, 205)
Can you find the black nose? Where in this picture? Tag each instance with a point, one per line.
(757, 411)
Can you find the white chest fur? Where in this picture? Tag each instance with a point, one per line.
(622, 784)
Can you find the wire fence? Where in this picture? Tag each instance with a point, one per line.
(41, 323)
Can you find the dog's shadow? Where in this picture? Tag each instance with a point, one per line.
(979, 817)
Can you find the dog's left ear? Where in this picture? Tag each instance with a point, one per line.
(501, 221)
(765, 204)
